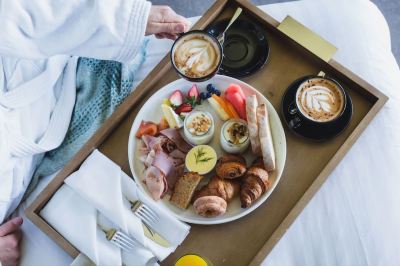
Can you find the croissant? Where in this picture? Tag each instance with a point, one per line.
(230, 166)
(211, 200)
(259, 162)
(255, 183)
(223, 188)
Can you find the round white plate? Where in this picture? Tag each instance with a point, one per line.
(151, 111)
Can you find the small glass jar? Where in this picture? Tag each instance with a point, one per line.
(234, 136)
(198, 127)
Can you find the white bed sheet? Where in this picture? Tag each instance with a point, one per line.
(354, 219)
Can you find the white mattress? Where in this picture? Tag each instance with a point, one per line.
(354, 219)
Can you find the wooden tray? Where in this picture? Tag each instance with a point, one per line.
(249, 239)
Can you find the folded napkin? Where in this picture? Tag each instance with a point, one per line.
(98, 195)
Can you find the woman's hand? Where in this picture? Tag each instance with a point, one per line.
(10, 236)
(165, 23)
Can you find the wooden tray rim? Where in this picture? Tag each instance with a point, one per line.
(370, 92)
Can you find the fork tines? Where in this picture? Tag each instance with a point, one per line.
(123, 241)
(145, 213)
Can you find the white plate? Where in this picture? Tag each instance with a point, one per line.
(151, 111)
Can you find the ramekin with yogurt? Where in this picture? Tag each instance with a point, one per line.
(234, 136)
(198, 127)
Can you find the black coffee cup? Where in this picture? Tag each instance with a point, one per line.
(298, 114)
(214, 41)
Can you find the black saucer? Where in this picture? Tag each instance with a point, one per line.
(245, 48)
(311, 131)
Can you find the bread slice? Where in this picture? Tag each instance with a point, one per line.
(184, 189)
(251, 108)
(264, 132)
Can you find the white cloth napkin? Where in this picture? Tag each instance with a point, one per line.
(97, 194)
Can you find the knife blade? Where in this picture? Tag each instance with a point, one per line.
(154, 236)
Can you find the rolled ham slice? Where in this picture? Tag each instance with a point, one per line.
(149, 158)
(175, 136)
(177, 154)
(155, 182)
(149, 141)
(166, 165)
(164, 158)
(160, 142)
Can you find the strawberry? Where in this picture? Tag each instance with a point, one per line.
(184, 108)
(194, 93)
(176, 98)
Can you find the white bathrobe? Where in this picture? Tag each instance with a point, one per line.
(40, 42)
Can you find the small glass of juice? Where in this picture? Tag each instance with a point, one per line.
(192, 260)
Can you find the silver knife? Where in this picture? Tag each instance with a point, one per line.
(148, 231)
(153, 235)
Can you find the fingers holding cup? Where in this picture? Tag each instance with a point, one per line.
(165, 23)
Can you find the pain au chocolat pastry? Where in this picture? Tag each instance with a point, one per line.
(254, 183)
(211, 200)
(230, 166)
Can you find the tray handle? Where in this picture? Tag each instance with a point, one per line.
(307, 38)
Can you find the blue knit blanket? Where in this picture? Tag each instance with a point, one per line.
(100, 87)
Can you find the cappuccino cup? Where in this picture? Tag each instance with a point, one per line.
(196, 55)
(318, 100)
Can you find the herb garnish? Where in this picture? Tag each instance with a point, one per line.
(193, 101)
(199, 156)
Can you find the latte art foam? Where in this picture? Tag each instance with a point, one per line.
(320, 100)
(196, 56)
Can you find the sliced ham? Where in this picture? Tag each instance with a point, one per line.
(143, 158)
(168, 146)
(180, 169)
(147, 140)
(149, 158)
(164, 158)
(165, 186)
(160, 142)
(177, 154)
(174, 135)
(177, 162)
(166, 165)
(143, 150)
(155, 182)
(153, 142)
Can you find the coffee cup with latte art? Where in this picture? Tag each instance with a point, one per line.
(196, 55)
(319, 100)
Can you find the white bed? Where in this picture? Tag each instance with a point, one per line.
(354, 219)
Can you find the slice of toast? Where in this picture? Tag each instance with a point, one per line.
(184, 189)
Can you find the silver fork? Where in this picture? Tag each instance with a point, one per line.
(120, 239)
(144, 213)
